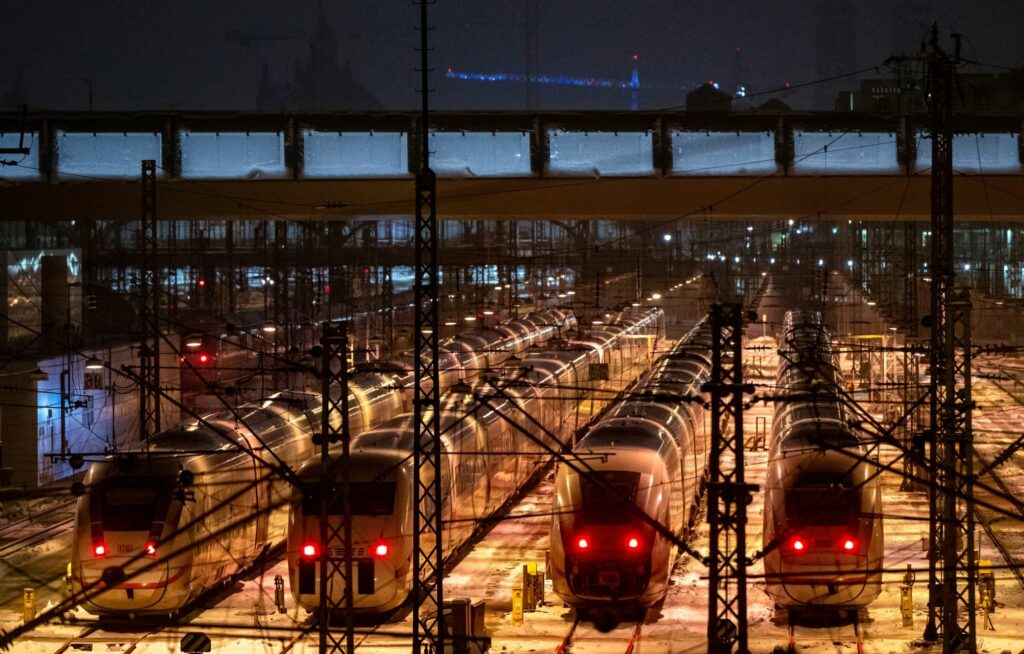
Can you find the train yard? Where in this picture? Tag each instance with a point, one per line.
(257, 611)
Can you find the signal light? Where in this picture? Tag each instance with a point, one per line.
(797, 545)
(633, 543)
(849, 544)
(309, 550)
(583, 543)
(151, 548)
(381, 549)
(100, 550)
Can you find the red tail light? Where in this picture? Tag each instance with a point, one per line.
(99, 549)
(151, 548)
(633, 543)
(204, 357)
(582, 543)
(309, 550)
(381, 548)
(850, 545)
(798, 545)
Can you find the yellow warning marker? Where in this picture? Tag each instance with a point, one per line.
(29, 605)
(907, 598)
(517, 605)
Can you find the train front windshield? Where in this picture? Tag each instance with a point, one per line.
(830, 505)
(605, 495)
(130, 503)
(368, 498)
(128, 509)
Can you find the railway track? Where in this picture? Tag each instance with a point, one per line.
(27, 531)
(1004, 532)
(565, 647)
(1000, 529)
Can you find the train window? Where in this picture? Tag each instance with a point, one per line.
(603, 500)
(128, 509)
(822, 505)
(368, 498)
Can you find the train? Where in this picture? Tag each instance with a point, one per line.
(649, 450)
(156, 528)
(485, 461)
(823, 531)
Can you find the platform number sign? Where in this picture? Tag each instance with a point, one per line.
(93, 381)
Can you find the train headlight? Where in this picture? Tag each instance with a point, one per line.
(633, 543)
(309, 550)
(99, 549)
(850, 545)
(381, 549)
(582, 543)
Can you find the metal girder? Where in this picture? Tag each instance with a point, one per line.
(728, 493)
(428, 573)
(334, 428)
(951, 562)
(149, 303)
(387, 301)
(958, 554)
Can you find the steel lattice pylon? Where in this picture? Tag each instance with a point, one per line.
(335, 527)
(727, 492)
(959, 565)
(951, 569)
(149, 303)
(428, 573)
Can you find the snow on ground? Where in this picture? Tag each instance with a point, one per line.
(490, 570)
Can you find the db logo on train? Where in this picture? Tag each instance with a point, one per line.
(125, 549)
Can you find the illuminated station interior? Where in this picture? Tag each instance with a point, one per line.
(539, 361)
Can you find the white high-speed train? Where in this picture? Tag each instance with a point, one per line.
(823, 534)
(650, 450)
(153, 531)
(485, 461)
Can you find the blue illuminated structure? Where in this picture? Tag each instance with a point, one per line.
(560, 80)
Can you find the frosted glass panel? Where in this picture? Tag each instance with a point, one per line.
(976, 153)
(600, 153)
(221, 155)
(471, 154)
(27, 167)
(723, 153)
(355, 154)
(106, 154)
(850, 153)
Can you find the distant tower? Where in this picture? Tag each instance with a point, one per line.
(835, 47)
(741, 75)
(267, 97)
(321, 84)
(634, 85)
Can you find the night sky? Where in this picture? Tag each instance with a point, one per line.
(149, 54)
